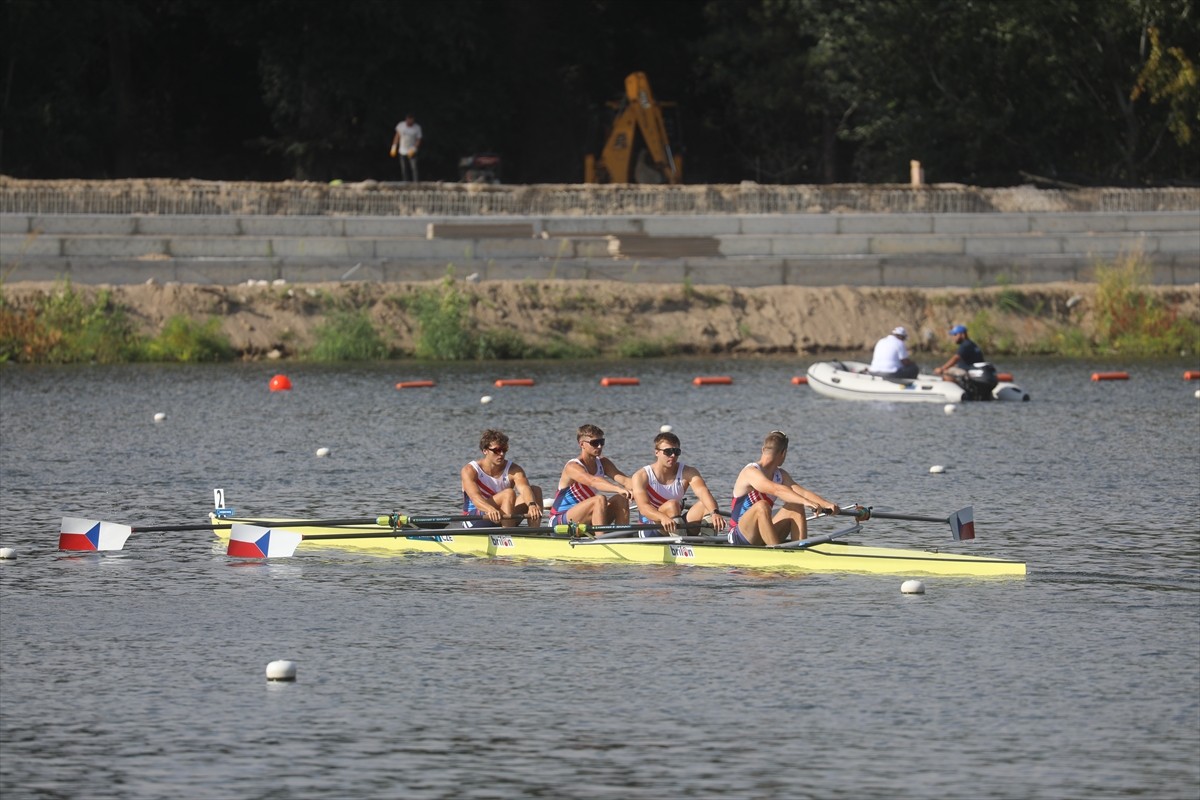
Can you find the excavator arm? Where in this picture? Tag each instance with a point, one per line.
(638, 146)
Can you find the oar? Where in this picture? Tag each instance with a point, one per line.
(77, 533)
(618, 529)
(961, 522)
(663, 539)
(402, 519)
(257, 541)
(92, 535)
(801, 544)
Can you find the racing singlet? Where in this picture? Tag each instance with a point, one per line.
(664, 492)
(488, 486)
(569, 496)
(743, 503)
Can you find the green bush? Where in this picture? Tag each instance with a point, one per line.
(187, 341)
(1131, 321)
(348, 336)
(445, 330)
(64, 327)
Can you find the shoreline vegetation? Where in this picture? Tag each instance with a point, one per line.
(1119, 314)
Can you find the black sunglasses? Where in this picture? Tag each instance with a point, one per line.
(497, 450)
(671, 451)
(596, 442)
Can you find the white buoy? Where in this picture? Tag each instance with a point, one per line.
(912, 587)
(665, 429)
(7, 553)
(322, 452)
(937, 469)
(1198, 394)
(950, 408)
(159, 417)
(487, 398)
(281, 671)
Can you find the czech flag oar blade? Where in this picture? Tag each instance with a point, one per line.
(91, 535)
(962, 524)
(253, 541)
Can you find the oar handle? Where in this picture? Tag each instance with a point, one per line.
(404, 519)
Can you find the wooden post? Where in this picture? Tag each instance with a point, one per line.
(917, 174)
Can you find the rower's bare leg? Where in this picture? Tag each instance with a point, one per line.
(591, 511)
(618, 509)
(756, 526)
(506, 501)
(535, 497)
(791, 522)
(672, 508)
(695, 515)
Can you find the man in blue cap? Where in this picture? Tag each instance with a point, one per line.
(968, 353)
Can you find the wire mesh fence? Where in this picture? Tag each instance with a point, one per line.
(372, 198)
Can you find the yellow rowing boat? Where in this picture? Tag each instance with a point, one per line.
(827, 554)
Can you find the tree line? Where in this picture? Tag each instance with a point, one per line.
(982, 92)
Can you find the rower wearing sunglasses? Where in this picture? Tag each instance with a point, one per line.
(496, 488)
(586, 482)
(659, 490)
(758, 486)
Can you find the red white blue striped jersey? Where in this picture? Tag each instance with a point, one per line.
(488, 485)
(576, 492)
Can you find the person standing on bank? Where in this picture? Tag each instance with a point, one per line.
(405, 143)
(968, 353)
(890, 359)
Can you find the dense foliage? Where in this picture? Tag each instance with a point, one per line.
(987, 92)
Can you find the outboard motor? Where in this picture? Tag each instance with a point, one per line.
(979, 382)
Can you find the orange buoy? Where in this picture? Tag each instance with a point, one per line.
(514, 382)
(799, 379)
(414, 384)
(1192, 375)
(1110, 376)
(712, 380)
(619, 381)
(1004, 376)
(280, 383)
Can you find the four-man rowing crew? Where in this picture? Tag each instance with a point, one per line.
(397, 533)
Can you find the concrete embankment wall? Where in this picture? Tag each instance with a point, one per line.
(739, 247)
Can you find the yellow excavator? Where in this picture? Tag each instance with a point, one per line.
(639, 147)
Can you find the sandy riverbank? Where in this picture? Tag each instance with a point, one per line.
(281, 320)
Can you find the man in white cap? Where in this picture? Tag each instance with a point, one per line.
(966, 354)
(890, 359)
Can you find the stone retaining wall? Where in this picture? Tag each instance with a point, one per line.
(925, 250)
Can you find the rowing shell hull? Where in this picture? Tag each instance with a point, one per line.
(847, 380)
(511, 543)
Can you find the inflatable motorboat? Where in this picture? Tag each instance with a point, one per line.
(849, 380)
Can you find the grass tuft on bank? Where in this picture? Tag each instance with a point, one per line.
(64, 326)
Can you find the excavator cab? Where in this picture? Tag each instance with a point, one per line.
(643, 144)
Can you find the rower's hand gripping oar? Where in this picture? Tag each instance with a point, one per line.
(961, 522)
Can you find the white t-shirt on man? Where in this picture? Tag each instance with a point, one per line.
(890, 351)
(410, 136)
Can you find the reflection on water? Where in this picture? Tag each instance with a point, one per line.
(140, 674)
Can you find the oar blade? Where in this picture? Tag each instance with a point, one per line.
(254, 541)
(962, 524)
(91, 535)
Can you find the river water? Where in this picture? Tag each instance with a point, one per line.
(140, 674)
